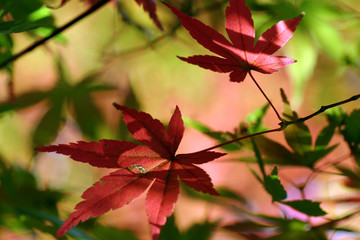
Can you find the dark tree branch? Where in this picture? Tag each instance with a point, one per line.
(283, 124)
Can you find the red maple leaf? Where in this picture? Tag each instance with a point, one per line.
(155, 163)
(241, 56)
(150, 7)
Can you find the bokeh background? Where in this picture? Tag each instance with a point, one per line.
(63, 92)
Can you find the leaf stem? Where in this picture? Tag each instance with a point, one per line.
(263, 93)
(92, 9)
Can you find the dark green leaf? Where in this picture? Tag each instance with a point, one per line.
(325, 136)
(300, 235)
(47, 129)
(352, 127)
(87, 115)
(202, 231)
(102, 232)
(274, 187)
(20, 188)
(23, 9)
(288, 113)
(7, 5)
(246, 226)
(35, 219)
(352, 177)
(275, 152)
(299, 138)
(24, 101)
(230, 194)
(306, 206)
(255, 119)
(316, 154)
(169, 230)
(258, 157)
(297, 135)
(17, 26)
(335, 116)
(6, 45)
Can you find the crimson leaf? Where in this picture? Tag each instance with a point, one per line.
(155, 163)
(243, 54)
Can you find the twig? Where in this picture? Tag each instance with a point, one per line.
(241, 138)
(283, 124)
(324, 108)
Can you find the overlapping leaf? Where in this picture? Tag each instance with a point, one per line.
(299, 138)
(154, 164)
(243, 54)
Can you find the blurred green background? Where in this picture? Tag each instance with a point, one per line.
(63, 92)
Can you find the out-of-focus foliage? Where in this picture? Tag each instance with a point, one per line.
(127, 53)
(78, 96)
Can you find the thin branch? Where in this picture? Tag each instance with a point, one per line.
(283, 124)
(323, 108)
(241, 138)
(263, 93)
(54, 33)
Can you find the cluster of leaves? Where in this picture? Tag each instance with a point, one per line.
(269, 152)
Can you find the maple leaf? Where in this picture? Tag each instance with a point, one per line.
(242, 55)
(154, 164)
(150, 7)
